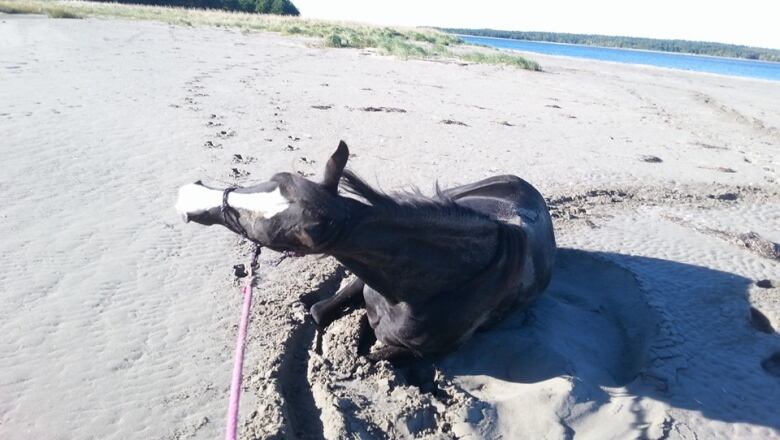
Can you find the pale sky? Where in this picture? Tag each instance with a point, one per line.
(750, 22)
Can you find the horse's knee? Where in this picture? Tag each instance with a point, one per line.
(328, 310)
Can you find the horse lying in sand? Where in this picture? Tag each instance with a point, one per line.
(430, 271)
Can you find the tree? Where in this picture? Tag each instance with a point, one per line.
(279, 7)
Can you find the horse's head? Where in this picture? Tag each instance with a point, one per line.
(286, 213)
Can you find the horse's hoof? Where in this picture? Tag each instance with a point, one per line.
(317, 312)
(318, 340)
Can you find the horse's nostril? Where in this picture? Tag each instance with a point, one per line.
(199, 182)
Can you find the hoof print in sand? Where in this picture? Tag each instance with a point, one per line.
(212, 145)
(726, 197)
(383, 109)
(453, 122)
(709, 146)
(322, 107)
(239, 158)
(650, 159)
(224, 134)
(720, 169)
(236, 173)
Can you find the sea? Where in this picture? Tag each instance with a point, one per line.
(697, 63)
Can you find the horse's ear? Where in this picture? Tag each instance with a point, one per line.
(334, 168)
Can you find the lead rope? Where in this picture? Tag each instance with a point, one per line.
(231, 215)
(238, 358)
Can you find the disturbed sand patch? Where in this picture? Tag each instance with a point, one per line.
(597, 327)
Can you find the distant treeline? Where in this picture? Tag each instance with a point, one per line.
(679, 46)
(279, 7)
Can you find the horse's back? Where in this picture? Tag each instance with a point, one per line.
(514, 201)
(442, 322)
(499, 196)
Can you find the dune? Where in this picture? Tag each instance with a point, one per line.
(118, 320)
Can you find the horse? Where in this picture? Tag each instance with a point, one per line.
(430, 271)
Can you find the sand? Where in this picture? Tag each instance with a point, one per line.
(118, 320)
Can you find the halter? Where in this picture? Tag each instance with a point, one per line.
(231, 220)
(230, 214)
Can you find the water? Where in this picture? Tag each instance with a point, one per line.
(698, 63)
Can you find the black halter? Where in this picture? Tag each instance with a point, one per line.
(231, 221)
(231, 215)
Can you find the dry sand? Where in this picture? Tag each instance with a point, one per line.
(118, 320)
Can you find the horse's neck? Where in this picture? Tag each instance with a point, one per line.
(401, 255)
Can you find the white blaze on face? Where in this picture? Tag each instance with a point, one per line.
(266, 205)
(197, 199)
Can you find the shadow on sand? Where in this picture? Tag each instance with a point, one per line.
(674, 332)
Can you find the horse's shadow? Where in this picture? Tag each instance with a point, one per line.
(675, 332)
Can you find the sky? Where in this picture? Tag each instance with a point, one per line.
(749, 22)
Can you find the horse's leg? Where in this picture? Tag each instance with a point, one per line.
(394, 354)
(328, 310)
(366, 336)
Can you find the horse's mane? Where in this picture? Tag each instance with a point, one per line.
(415, 209)
(401, 202)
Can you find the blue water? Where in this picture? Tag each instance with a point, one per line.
(698, 63)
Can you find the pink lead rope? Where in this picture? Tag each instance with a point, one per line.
(238, 360)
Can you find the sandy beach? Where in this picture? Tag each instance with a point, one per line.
(118, 320)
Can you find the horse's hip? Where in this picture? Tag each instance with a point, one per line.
(512, 200)
(495, 194)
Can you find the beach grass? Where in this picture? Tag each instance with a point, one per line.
(495, 57)
(417, 43)
(49, 8)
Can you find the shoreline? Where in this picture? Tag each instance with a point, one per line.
(622, 48)
(670, 70)
(585, 58)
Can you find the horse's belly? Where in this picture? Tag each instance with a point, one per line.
(424, 329)
(438, 326)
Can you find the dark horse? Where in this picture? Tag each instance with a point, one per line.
(430, 271)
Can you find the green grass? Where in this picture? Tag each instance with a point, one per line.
(405, 43)
(61, 13)
(501, 58)
(52, 10)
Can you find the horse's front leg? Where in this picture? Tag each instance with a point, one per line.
(328, 310)
(394, 354)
